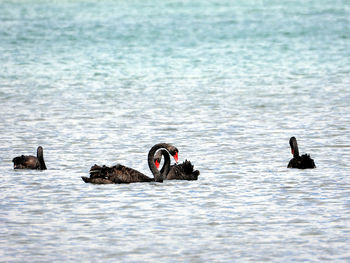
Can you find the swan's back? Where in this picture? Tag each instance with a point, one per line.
(117, 174)
(302, 162)
(183, 171)
(26, 162)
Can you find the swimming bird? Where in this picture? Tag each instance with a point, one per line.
(120, 174)
(30, 161)
(300, 162)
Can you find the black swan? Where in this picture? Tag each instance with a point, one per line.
(182, 171)
(300, 162)
(30, 161)
(120, 174)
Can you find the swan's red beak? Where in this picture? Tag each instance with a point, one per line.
(292, 150)
(176, 157)
(157, 164)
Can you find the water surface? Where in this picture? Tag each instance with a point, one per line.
(227, 82)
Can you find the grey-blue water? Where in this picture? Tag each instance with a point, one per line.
(227, 82)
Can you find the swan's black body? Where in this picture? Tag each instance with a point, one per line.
(117, 174)
(30, 161)
(120, 174)
(300, 162)
(182, 171)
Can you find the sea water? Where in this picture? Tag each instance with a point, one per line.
(226, 82)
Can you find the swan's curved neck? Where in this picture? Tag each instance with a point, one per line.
(295, 149)
(166, 166)
(157, 176)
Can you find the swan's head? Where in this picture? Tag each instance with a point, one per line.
(40, 151)
(174, 153)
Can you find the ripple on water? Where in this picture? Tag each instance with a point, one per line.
(227, 83)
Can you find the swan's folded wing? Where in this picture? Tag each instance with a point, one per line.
(121, 174)
(307, 162)
(183, 171)
(25, 162)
